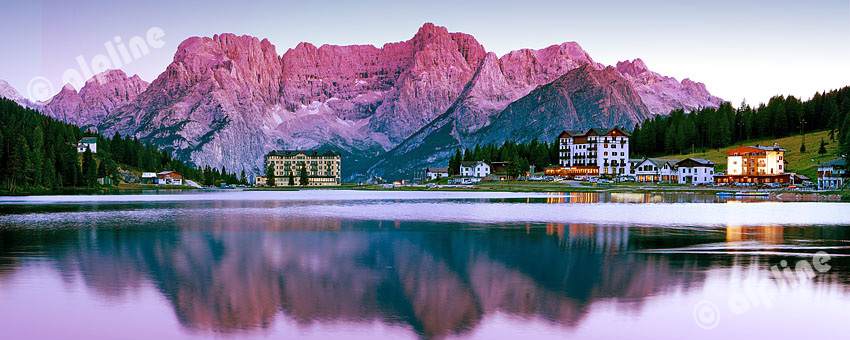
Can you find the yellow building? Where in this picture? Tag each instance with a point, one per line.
(323, 168)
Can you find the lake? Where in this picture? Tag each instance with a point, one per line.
(319, 264)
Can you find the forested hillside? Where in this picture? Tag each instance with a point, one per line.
(39, 153)
(723, 126)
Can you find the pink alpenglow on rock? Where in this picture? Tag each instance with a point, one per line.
(226, 100)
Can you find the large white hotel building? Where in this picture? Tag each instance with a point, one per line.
(594, 152)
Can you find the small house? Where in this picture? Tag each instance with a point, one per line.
(831, 174)
(474, 169)
(695, 171)
(87, 143)
(169, 178)
(436, 173)
(657, 170)
(148, 178)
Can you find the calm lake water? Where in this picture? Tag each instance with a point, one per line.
(427, 265)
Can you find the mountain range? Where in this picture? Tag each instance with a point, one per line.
(227, 100)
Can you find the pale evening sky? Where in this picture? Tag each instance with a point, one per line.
(739, 49)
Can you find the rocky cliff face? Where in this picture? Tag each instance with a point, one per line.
(9, 92)
(227, 100)
(582, 98)
(663, 94)
(100, 95)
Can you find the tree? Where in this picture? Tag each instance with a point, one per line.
(101, 169)
(89, 168)
(802, 147)
(17, 163)
(454, 163)
(822, 149)
(270, 175)
(303, 177)
(291, 179)
(243, 178)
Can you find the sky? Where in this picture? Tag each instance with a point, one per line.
(740, 49)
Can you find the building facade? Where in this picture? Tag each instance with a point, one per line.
(323, 168)
(831, 174)
(594, 152)
(474, 169)
(87, 143)
(695, 171)
(169, 178)
(755, 164)
(436, 173)
(656, 170)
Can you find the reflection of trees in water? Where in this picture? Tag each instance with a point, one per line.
(437, 282)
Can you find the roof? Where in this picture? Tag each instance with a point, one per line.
(775, 147)
(834, 162)
(437, 169)
(167, 172)
(699, 161)
(148, 174)
(89, 140)
(801, 176)
(595, 132)
(756, 147)
(659, 162)
(469, 163)
(305, 152)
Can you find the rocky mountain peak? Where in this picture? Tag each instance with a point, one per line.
(228, 99)
(9, 92)
(632, 68)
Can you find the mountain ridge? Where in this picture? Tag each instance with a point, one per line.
(226, 100)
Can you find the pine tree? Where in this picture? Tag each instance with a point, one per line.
(303, 177)
(89, 168)
(243, 178)
(270, 181)
(454, 163)
(291, 179)
(822, 149)
(17, 163)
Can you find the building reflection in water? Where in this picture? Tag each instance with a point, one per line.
(227, 273)
(764, 234)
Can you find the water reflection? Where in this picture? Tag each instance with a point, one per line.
(232, 272)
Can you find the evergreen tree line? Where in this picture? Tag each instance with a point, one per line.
(39, 152)
(725, 125)
(520, 155)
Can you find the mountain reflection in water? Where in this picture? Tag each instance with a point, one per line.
(235, 273)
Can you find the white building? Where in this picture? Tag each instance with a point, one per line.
(435, 173)
(831, 174)
(87, 143)
(474, 169)
(594, 152)
(695, 171)
(657, 170)
(169, 178)
(149, 178)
